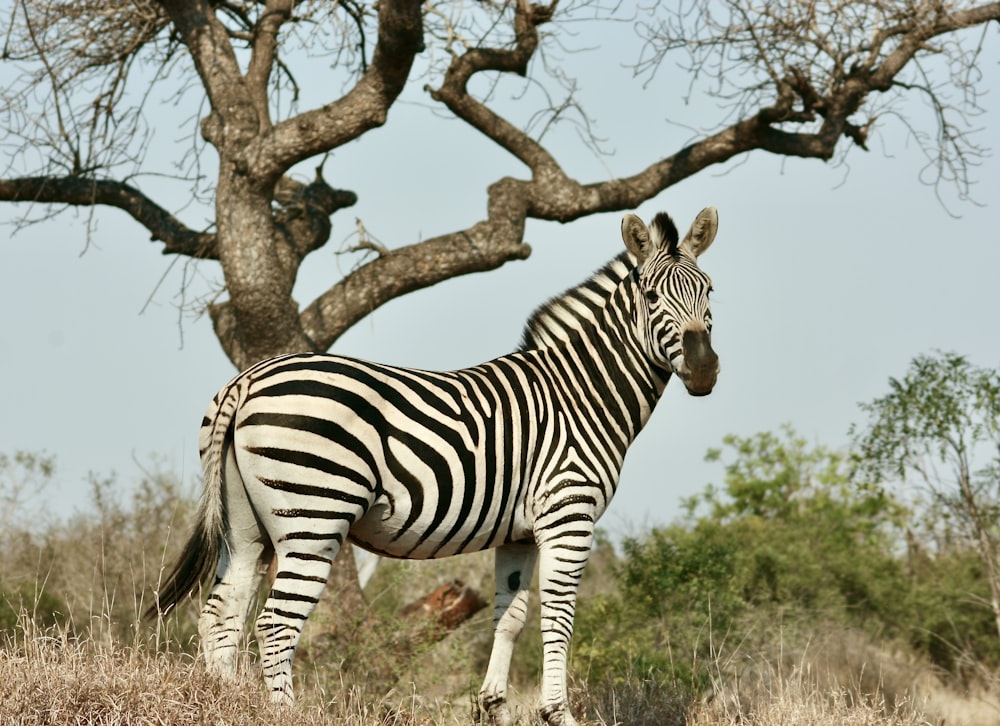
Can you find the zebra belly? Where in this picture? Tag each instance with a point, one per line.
(383, 530)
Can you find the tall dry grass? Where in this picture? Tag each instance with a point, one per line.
(50, 676)
(53, 678)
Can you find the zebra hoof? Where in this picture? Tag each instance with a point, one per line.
(497, 714)
(557, 715)
(282, 696)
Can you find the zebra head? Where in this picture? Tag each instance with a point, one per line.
(672, 312)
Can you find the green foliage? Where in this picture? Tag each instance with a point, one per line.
(24, 475)
(945, 618)
(44, 608)
(936, 436)
(802, 535)
(789, 540)
(690, 566)
(938, 431)
(674, 590)
(942, 407)
(775, 477)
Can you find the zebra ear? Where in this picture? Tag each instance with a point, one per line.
(635, 233)
(702, 233)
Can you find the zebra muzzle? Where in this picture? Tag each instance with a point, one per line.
(700, 367)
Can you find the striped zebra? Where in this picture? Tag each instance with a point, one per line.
(302, 453)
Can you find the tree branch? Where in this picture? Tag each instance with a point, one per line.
(303, 216)
(922, 30)
(365, 106)
(550, 194)
(234, 124)
(454, 92)
(484, 246)
(79, 191)
(802, 62)
(263, 55)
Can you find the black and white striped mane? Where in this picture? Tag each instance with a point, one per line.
(663, 227)
(562, 317)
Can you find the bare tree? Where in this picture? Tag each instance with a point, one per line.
(800, 79)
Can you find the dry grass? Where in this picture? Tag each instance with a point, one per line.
(50, 677)
(841, 677)
(99, 666)
(84, 673)
(795, 703)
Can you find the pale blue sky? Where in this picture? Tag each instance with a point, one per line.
(828, 281)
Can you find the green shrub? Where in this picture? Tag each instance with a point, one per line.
(44, 608)
(789, 543)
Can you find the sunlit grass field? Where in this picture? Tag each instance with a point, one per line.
(50, 677)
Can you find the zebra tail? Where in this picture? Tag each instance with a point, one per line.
(198, 560)
(201, 552)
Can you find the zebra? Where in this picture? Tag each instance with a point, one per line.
(302, 453)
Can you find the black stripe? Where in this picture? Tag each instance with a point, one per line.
(309, 490)
(309, 557)
(313, 536)
(292, 596)
(313, 514)
(292, 575)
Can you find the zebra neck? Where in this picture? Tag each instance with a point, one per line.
(612, 367)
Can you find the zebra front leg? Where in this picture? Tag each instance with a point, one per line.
(562, 560)
(515, 565)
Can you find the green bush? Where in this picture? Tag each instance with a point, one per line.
(44, 608)
(788, 541)
(945, 615)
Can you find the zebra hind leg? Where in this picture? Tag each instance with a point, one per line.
(227, 608)
(515, 564)
(300, 580)
(238, 576)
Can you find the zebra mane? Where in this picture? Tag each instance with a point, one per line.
(663, 228)
(563, 316)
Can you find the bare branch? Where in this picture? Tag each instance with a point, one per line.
(816, 66)
(263, 57)
(932, 21)
(234, 121)
(485, 246)
(365, 106)
(80, 191)
(454, 91)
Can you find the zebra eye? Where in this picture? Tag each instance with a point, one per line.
(651, 296)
